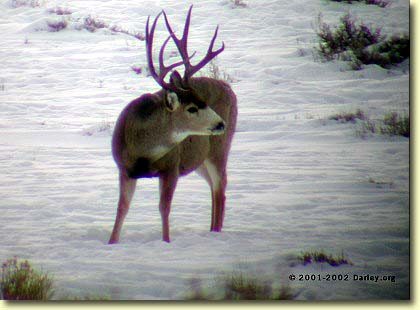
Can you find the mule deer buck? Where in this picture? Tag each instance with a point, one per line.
(186, 126)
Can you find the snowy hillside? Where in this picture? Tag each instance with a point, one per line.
(297, 180)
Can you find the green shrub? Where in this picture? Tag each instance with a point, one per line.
(346, 36)
(380, 3)
(19, 281)
(239, 286)
(395, 125)
(360, 44)
(320, 257)
(349, 116)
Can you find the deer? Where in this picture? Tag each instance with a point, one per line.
(188, 125)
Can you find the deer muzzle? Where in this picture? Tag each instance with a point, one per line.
(218, 129)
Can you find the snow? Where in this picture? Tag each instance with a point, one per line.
(297, 181)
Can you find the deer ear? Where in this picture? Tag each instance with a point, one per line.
(177, 81)
(172, 101)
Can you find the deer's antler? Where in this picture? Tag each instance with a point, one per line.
(163, 70)
(181, 44)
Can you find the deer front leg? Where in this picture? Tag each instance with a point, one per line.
(127, 187)
(167, 184)
(218, 204)
(215, 175)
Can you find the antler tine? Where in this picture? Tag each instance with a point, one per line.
(209, 56)
(181, 44)
(163, 70)
(149, 49)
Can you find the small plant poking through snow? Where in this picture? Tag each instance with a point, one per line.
(240, 286)
(19, 281)
(92, 24)
(320, 257)
(213, 71)
(30, 3)
(360, 44)
(392, 123)
(118, 29)
(380, 183)
(137, 69)
(395, 125)
(349, 116)
(239, 3)
(60, 11)
(366, 127)
(56, 26)
(101, 128)
(380, 3)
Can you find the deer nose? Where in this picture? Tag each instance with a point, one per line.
(219, 127)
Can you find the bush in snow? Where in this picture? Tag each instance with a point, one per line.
(137, 69)
(349, 116)
(389, 52)
(240, 286)
(239, 3)
(60, 11)
(103, 128)
(396, 125)
(360, 44)
(19, 281)
(92, 24)
(391, 124)
(346, 36)
(30, 3)
(57, 25)
(320, 257)
(381, 3)
(137, 35)
(213, 71)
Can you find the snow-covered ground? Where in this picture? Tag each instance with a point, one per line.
(297, 181)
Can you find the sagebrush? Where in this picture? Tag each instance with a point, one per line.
(360, 44)
(240, 286)
(380, 3)
(321, 257)
(19, 281)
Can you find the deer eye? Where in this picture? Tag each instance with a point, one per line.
(192, 109)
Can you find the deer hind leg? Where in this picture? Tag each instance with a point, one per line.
(216, 177)
(167, 184)
(127, 188)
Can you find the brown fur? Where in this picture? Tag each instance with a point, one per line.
(137, 131)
